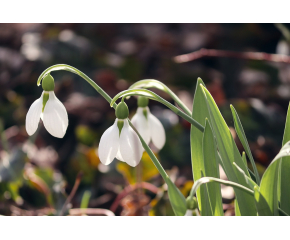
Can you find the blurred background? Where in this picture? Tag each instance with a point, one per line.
(43, 175)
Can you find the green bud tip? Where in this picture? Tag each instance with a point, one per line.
(143, 101)
(120, 125)
(191, 203)
(48, 83)
(122, 111)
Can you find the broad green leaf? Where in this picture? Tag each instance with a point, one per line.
(242, 136)
(229, 153)
(152, 83)
(261, 203)
(285, 171)
(199, 113)
(211, 167)
(269, 182)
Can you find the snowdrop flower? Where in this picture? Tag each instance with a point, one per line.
(120, 140)
(49, 109)
(149, 127)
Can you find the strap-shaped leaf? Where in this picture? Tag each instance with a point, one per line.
(229, 153)
(211, 167)
(285, 171)
(269, 182)
(199, 113)
(242, 136)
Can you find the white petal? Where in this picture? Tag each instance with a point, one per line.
(188, 212)
(33, 116)
(109, 144)
(141, 124)
(55, 117)
(157, 131)
(119, 156)
(130, 145)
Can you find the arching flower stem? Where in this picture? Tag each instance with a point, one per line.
(177, 200)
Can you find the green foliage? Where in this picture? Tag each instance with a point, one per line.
(229, 153)
(285, 171)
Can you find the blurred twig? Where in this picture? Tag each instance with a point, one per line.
(73, 192)
(90, 211)
(131, 188)
(231, 54)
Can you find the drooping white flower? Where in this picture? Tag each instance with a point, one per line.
(149, 127)
(50, 110)
(120, 141)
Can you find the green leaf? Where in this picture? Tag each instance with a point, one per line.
(242, 136)
(199, 113)
(261, 203)
(269, 182)
(285, 171)
(229, 153)
(211, 168)
(152, 83)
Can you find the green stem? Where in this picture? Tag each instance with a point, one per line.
(65, 67)
(152, 83)
(204, 180)
(176, 198)
(155, 97)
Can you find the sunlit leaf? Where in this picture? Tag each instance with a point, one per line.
(269, 182)
(211, 167)
(229, 153)
(242, 136)
(285, 171)
(199, 113)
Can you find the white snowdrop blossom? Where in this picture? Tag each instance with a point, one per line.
(122, 142)
(51, 111)
(149, 127)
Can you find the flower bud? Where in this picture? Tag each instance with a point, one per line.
(143, 101)
(191, 203)
(122, 111)
(48, 83)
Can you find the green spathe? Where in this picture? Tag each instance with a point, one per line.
(143, 101)
(122, 111)
(48, 83)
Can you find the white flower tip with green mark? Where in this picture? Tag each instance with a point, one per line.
(123, 144)
(149, 127)
(52, 112)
